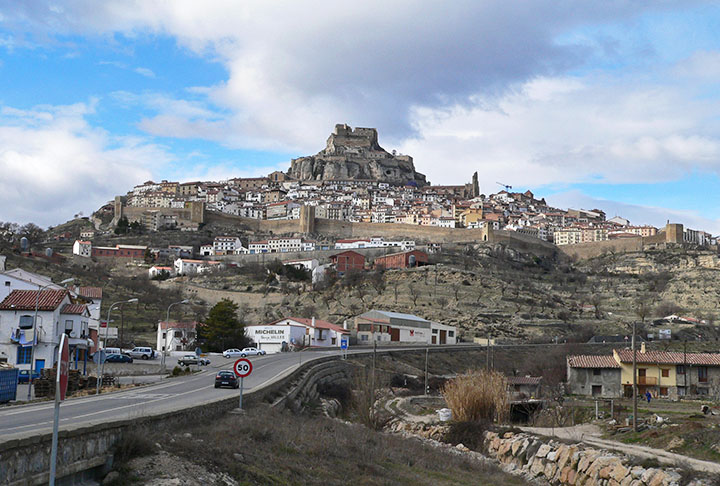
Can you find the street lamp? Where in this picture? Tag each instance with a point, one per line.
(107, 323)
(35, 339)
(167, 321)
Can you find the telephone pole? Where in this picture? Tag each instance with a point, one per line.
(634, 351)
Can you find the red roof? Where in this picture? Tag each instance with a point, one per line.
(670, 357)
(347, 252)
(524, 380)
(178, 325)
(48, 300)
(591, 361)
(78, 309)
(319, 323)
(90, 292)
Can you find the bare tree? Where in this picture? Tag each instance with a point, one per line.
(414, 294)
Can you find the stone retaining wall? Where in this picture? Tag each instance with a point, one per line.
(573, 464)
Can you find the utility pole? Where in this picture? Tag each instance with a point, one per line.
(487, 353)
(427, 353)
(685, 371)
(634, 351)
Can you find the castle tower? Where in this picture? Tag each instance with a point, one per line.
(307, 219)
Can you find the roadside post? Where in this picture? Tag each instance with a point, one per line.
(61, 382)
(343, 347)
(242, 368)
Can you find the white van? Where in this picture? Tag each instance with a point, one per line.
(112, 351)
(142, 353)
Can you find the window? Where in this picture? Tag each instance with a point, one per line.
(681, 391)
(597, 390)
(702, 391)
(703, 374)
(451, 333)
(23, 355)
(663, 391)
(68, 325)
(7, 283)
(26, 322)
(665, 373)
(364, 337)
(164, 335)
(434, 331)
(597, 372)
(680, 369)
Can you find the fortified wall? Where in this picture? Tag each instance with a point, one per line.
(672, 235)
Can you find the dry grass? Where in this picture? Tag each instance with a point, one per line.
(478, 396)
(267, 446)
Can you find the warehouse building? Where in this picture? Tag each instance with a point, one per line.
(385, 326)
(295, 332)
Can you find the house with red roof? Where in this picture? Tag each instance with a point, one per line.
(663, 374)
(176, 335)
(57, 313)
(290, 332)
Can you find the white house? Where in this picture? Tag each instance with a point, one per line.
(56, 315)
(19, 279)
(259, 247)
(176, 336)
(186, 266)
(156, 270)
(82, 248)
(226, 245)
(308, 264)
(295, 331)
(207, 250)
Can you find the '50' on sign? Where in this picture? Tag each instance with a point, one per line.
(243, 367)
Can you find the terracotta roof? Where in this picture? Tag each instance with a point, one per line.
(524, 380)
(319, 323)
(25, 299)
(90, 292)
(73, 309)
(178, 325)
(591, 361)
(670, 357)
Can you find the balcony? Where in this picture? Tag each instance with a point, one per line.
(646, 380)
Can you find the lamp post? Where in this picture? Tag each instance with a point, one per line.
(167, 321)
(34, 338)
(107, 323)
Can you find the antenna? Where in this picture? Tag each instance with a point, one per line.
(507, 187)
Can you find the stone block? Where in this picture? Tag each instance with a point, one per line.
(637, 472)
(550, 469)
(532, 449)
(543, 450)
(552, 456)
(648, 475)
(508, 435)
(619, 472)
(538, 467)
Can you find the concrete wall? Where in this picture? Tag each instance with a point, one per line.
(581, 381)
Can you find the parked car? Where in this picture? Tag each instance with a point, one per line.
(142, 352)
(24, 376)
(192, 359)
(241, 353)
(226, 378)
(118, 358)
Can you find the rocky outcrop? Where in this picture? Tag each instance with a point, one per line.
(574, 464)
(354, 154)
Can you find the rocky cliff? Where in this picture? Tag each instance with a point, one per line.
(354, 154)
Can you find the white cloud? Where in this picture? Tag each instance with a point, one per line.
(637, 214)
(562, 130)
(295, 72)
(54, 164)
(142, 71)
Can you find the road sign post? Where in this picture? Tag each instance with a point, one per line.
(343, 346)
(242, 368)
(61, 382)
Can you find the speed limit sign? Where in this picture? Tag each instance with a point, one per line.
(243, 367)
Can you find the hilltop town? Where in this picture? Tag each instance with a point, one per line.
(354, 180)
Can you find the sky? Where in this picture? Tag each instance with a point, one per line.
(611, 105)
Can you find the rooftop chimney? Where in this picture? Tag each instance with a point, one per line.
(345, 324)
(313, 322)
(642, 347)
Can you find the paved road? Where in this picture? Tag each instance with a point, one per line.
(172, 394)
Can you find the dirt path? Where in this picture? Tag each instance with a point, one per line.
(589, 434)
